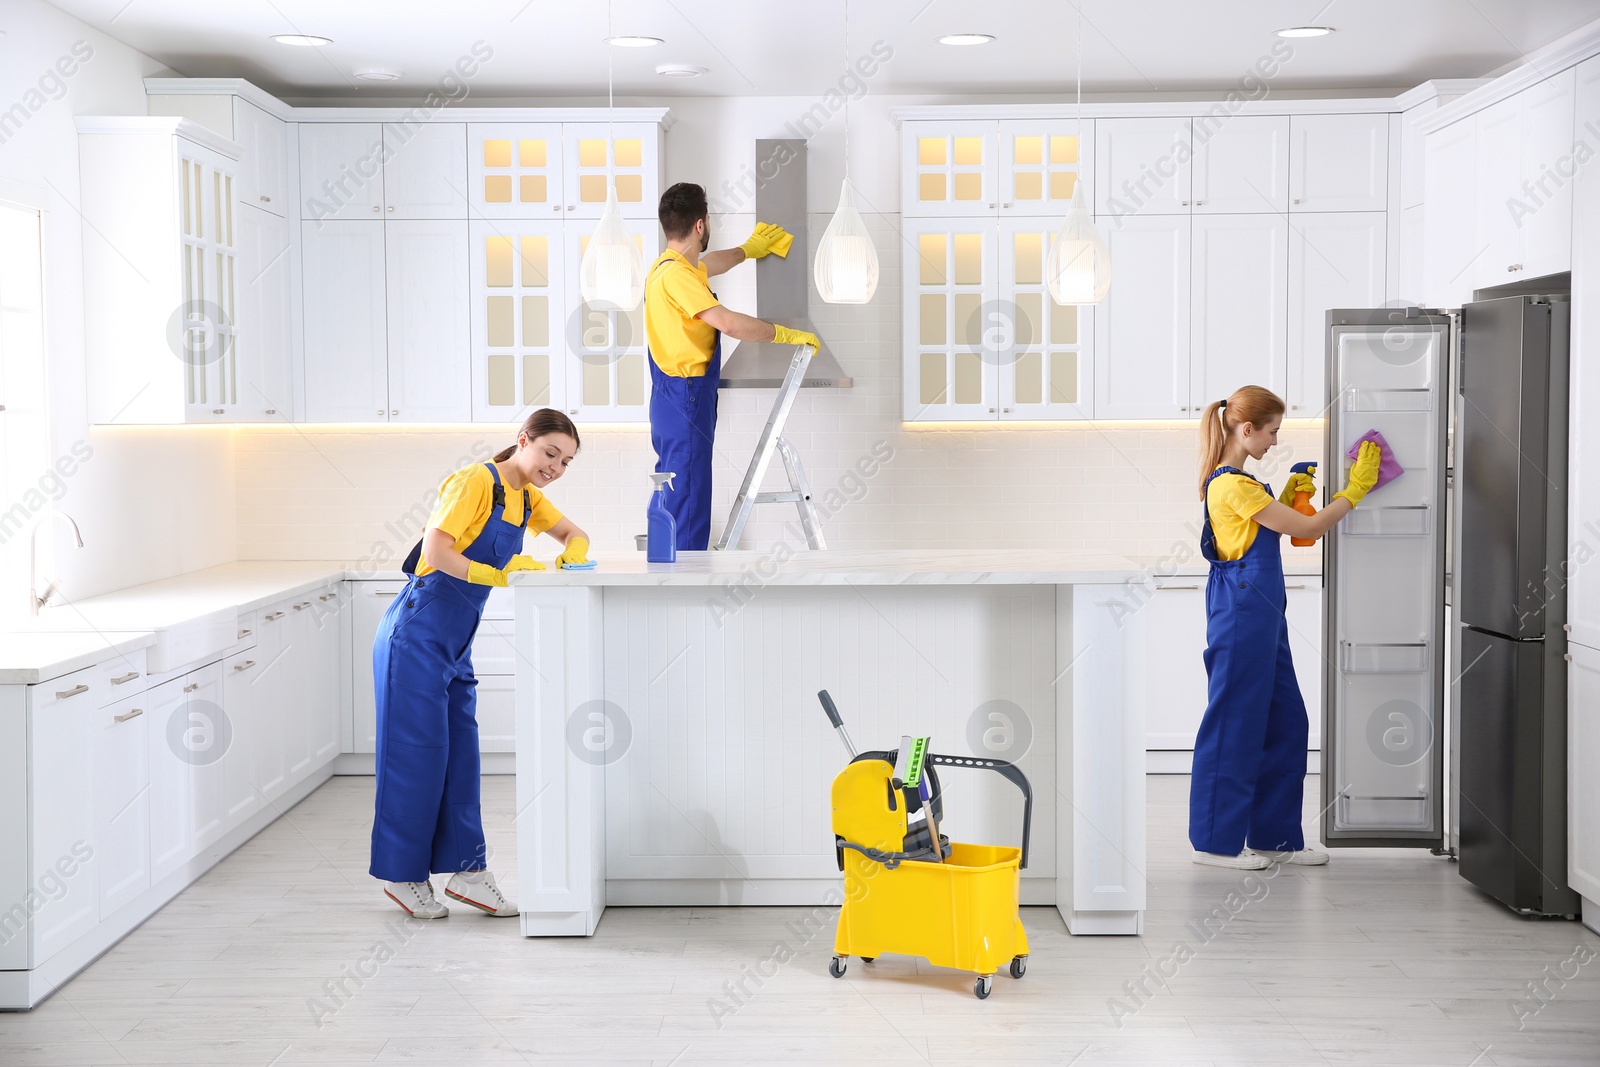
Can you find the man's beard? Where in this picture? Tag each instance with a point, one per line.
(705, 239)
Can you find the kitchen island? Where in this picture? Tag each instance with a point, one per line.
(671, 750)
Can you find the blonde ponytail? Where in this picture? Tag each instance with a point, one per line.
(1249, 403)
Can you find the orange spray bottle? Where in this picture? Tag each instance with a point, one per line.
(1302, 502)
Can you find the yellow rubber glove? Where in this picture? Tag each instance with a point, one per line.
(523, 563)
(483, 574)
(782, 335)
(577, 551)
(1298, 483)
(1363, 473)
(769, 237)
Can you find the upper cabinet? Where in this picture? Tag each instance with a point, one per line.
(537, 170)
(1142, 167)
(341, 170)
(1240, 164)
(370, 170)
(1339, 162)
(424, 171)
(263, 157)
(973, 168)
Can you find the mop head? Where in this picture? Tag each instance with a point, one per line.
(1388, 467)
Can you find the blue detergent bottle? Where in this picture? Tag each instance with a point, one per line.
(661, 528)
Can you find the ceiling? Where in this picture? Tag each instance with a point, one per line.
(552, 48)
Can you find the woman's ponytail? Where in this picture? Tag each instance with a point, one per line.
(536, 425)
(1249, 403)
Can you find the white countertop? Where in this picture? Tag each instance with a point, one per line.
(29, 658)
(782, 565)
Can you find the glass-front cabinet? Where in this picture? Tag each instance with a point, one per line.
(537, 170)
(985, 167)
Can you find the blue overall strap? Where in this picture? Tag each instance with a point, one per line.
(1208, 537)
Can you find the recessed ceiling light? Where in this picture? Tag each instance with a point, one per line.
(378, 74)
(1306, 31)
(633, 42)
(304, 39)
(680, 70)
(966, 38)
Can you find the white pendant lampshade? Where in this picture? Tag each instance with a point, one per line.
(847, 265)
(1078, 269)
(612, 275)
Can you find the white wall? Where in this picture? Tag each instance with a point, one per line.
(1129, 488)
(151, 503)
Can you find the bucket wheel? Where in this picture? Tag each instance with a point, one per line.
(836, 966)
(983, 985)
(1019, 966)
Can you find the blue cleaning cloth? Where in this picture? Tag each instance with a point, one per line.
(579, 566)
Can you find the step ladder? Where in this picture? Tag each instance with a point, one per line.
(799, 491)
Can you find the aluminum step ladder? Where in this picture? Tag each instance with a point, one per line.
(799, 491)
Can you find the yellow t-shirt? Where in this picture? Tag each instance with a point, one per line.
(467, 497)
(674, 293)
(1233, 501)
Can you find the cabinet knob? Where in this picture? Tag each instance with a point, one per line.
(1297, 200)
(1005, 411)
(574, 207)
(1566, 627)
(991, 205)
(555, 207)
(1005, 205)
(394, 413)
(376, 209)
(991, 410)
(1294, 407)
(265, 199)
(1183, 203)
(1567, 657)
(380, 411)
(216, 411)
(1514, 267)
(1197, 203)
(272, 411)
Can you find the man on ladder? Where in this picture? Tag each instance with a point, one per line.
(684, 325)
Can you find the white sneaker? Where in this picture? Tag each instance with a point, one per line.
(1305, 857)
(478, 889)
(416, 898)
(1244, 861)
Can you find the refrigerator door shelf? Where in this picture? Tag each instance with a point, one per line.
(1359, 400)
(1415, 521)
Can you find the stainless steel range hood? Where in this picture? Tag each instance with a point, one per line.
(782, 284)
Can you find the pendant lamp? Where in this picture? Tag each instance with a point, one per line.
(611, 277)
(846, 268)
(1078, 269)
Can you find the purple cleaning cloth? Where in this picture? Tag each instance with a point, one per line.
(1388, 468)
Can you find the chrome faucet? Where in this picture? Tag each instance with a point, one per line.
(36, 601)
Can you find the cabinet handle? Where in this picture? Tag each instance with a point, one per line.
(1566, 627)
(191, 687)
(265, 199)
(62, 694)
(1183, 203)
(555, 207)
(394, 412)
(1514, 267)
(991, 205)
(380, 411)
(1005, 411)
(1567, 656)
(1161, 588)
(1302, 585)
(274, 616)
(1005, 205)
(272, 411)
(1297, 200)
(376, 209)
(130, 676)
(381, 593)
(216, 411)
(246, 665)
(302, 605)
(134, 714)
(328, 596)
(244, 634)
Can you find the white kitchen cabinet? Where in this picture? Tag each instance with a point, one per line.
(1173, 621)
(1496, 139)
(425, 170)
(1141, 167)
(606, 376)
(345, 321)
(969, 168)
(266, 390)
(1141, 331)
(273, 699)
(1583, 456)
(1543, 193)
(341, 170)
(61, 716)
(1045, 354)
(429, 332)
(1339, 162)
(1337, 259)
(950, 278)
(121, 762)
(245, 711)
(514, 170)
(1450, 233)
(324, 624)
(172, 789)
(1583, 774)
(950, 169)
(1303, 608)
(518, 295)
(1239, 296)
(368, 602)
(624, 155)
(159, 270)
(263, 158)
(1241, 164)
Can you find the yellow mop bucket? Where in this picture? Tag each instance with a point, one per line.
(907, 888)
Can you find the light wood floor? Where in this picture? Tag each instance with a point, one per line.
(1379, 958)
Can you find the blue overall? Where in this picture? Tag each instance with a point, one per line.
(427, 817)
(1250, 753)
(683, 421)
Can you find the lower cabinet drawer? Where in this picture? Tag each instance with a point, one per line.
(122, 801)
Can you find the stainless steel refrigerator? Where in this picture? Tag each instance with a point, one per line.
(1443, 673)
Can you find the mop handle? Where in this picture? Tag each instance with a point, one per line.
(838, 723)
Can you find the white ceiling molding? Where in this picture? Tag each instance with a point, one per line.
(1569, 51)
